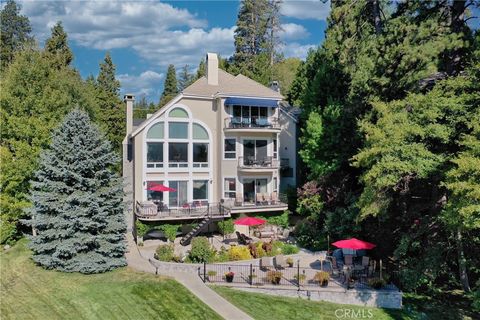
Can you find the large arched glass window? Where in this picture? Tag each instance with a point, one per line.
(156, 131)
(199, 132)
(178, 130)
(178, 113)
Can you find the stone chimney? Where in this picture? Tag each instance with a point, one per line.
(212, 69)
(129, 99)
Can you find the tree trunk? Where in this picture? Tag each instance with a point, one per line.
(376, 17)
(462, 267)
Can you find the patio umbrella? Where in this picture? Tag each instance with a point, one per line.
(160, 187)
(354, 244)
(249, 221)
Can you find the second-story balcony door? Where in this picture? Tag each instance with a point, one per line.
(254, 151)
(251, 187)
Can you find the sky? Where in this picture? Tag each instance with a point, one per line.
(144, 37)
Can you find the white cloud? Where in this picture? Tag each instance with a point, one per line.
(158, 32)
(147, 83)
(306, 9)
(293, 31)
(297, 50)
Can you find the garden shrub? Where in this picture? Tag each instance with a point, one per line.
(280, 220)
(260, 251)
(290, 249)
(239, 253)
(142, 228)
(274, 276)
(277, 248)
(201, 251)
(252, 247)
(476, 298)
(267, 247)
(226, 226)
(170, 231)
(308, 235)
(222, 255)
(377, 283)
(321, 277)
(164, 252)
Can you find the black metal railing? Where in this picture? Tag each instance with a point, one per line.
(289, 276)
(252, 122)
(258, 162)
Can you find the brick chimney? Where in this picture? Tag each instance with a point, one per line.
(212, 69)
(129, 99)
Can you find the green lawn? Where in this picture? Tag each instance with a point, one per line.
(30, 292)
(266, 307)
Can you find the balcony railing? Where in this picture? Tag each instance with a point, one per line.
(258, 163)
(252, 123)
(272, 200)
(149, 210)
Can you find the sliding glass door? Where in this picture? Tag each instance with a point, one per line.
(251, 187)
(178, 198)
(254, 151)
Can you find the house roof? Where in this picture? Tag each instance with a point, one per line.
(231, 85)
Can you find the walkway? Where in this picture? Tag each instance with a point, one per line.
(191, 281)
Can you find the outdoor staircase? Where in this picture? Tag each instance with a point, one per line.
(185, 241)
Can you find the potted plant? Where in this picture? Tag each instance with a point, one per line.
(274, 277)
(377, 283)
(322, 278)
(300, 278)
(229, 276)
(211, 273)
(290, 261)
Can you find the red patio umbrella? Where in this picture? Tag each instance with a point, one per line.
(159, 187)
(354, 244)
(249, 221)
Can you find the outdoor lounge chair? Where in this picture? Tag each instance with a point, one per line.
(240, 239)
(238, 199)
(259, 198)
(280, 262)
(266, 198)
(266, 263)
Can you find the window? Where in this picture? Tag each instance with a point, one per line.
(199, 132)
(178, 130)
(229, 188)
(154, 195)
(178, 198)
(200, 155)
(178, 155)
(156, 131)
(230, 149)
(200, 190)
(154, 154)
(178, 113)
(275, 154)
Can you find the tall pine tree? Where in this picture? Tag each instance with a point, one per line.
(57, 47)
(170, 87)
(78, 201)
(184, 78)
(15, 32)
(112, 112)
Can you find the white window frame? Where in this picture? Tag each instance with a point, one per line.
(230, 152)
(229, 191)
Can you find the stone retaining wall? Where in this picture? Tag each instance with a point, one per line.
(368, 298)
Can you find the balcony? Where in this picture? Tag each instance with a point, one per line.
(151, 211)
(257, 164)
(269, 124)
(263, 203)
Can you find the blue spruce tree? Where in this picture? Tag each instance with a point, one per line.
(77, 201)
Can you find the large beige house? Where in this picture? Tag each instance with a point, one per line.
(226, 144)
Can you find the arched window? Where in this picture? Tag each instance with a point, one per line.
(178, 113)
(156, 131)
(178, 130)
(199, 132)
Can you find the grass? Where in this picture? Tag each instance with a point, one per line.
(266, 307)
(30, 292)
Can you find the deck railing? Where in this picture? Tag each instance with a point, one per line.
(252, 123)
(258, 163)
(197, 209)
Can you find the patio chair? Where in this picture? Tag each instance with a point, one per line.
(235, 122)
(266, 264)
(267, 162)
(238, 199)
(274, 199)
(259, 198)
(280, 262)
(240, 239)
(246, 238)
(266, 198)
(246, 122)
(335, 268)
(348, 260)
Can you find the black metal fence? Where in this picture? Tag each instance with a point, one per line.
(294, 276)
